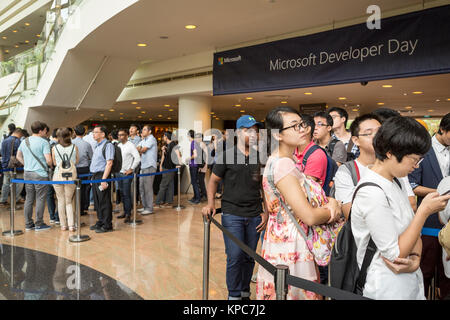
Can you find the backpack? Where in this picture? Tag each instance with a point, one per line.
(320, 238)
(117, 162)
(354, 173)
(350, 155)
(332, 167)
(13, 162)
(66, 168)
(344, 271)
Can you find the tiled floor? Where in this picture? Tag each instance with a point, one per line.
(159, 259)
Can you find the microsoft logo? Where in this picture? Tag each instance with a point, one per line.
(220, 61)
(223, 60)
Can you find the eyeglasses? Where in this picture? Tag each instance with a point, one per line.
(296, 126)
(320, 124)
(373, 133)
(416, 161)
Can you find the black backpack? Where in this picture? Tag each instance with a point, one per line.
(344, 271)
(117, 162)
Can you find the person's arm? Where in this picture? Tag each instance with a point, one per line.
(344, 187)
(210, 209)
(163, 155)
(423, 191)
(19, 157)
(77, 158)
(53, 156)
(136, 160)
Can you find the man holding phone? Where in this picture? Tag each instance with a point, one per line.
(424, 180)
(102, 161)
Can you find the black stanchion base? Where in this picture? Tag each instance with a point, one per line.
(14, 233)
(80, 238)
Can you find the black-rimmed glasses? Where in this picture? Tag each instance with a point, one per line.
(296, 126)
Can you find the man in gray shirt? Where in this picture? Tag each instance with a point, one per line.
(85, 155)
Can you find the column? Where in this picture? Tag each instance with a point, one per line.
(194, 112)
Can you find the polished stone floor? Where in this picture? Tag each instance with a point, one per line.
(159, 259)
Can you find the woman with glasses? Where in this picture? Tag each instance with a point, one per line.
(381, 212)
(285, 186)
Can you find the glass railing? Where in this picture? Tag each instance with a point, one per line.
(31, 63)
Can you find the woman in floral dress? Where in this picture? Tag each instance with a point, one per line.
(283, 244)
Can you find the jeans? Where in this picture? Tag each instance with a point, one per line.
(194, 181)
(36, 192)
(165, 193)
(7, 176)
(146, 188)
(51, 204)
(239, 264)
(125, 193)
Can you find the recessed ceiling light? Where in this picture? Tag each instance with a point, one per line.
(27, 41)
(101, 114)
(437, 100)
(249, 98)
(408, 107)
(355, 110)
(150, 119)
(112, 110)
(190, 27)
(38, 35)
(27, 24)
(417, 92)
(283, 102)
(387, 86)
(167, 105)
(141, 44)
(242, 111)
(143, 112)
(169, 118)
(139, 108)
(160, 115)
(170, 110)
(380, 103)
(134, 102)
(431, 110)
(139, 116)
(16, 46)
(4, 38)
(15, 31)
(308, 93)
(237, 105)
(342, 98)
(121, 113)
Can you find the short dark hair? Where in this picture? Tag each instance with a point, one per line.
(80, 130)
(168, 135)
(386, 113)
(38, 126)
(355, 126)
(309, 120)
(114, 134)
(55, 132)
(149, 127)
(11, 127)
(103, 129)
(274, 121)
(444, 124)
(123, 130)
(191, 133)
(323, 114)
(401, 136)
(18, 131)
(135, 125)
(342, 113)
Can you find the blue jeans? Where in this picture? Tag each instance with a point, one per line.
(125, 193)
(51, 204)
(239, 264)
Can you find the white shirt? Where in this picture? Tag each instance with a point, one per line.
(90, 139)
(384, 214)
(130, 156)
(443, 156)
(344, 183)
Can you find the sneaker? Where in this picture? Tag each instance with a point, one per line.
(94, 227)
(57, 222)
(52, 221)
(146, 212)
(140, 210)
(194, 201)
(42, 227)
(30, 228)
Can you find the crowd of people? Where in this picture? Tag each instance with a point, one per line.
(71, 153)
(314, 167)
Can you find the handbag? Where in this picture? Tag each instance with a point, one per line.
(444, 238)
(13, 162)
(320, 238)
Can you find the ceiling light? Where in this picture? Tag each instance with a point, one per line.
(121, 113)
(417, 92)
(27, 41)
(4, 38)
(143, 112)
(139, 108)
(141, 44)
(387, 86)
(190, 27)
(237, 105)
(408, 107)
(342, 98)
(170, 110)
(212, 112)
(159, 115)
(38, 35)
(112, 110)
(308, 93)
(217, 119)
(283, 102)
(150, 119)
(15, 31)
(167, 105)
(101, 115)
(380, 103)
(431, 110)
(134, 102)
(249, 98)
(169, 118)
(139, 116)
(242, 111)
(27, 24)
(16, 46)
(356, 110)
(437, 100)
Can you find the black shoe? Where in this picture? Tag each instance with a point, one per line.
(94, 227)
(121, 216)
(103, 230)
(84, 213)
(127, 219)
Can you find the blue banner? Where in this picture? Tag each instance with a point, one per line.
(408, 45)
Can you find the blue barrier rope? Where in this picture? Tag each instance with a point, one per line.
(42, 182)
(156, 173)
(430, 232)
(11, 169)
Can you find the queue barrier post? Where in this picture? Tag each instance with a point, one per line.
(78, 237)
(134, 188)
(281, 287)
(12, 186)
(114, 191)
(179, 206)
(206, 246)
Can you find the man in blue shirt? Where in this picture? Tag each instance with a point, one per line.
(85, 155)
(34, 152)
(9, 148)
(148, 150)
(101, 164)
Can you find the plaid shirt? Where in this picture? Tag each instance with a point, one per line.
(355, 149)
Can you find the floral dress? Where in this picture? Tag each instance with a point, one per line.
(283, 244)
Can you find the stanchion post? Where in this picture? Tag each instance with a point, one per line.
(179, 207)
(433, 284)
(78, 237)
(12, 186)
(281, 287)
(134, 187)
(206, 243)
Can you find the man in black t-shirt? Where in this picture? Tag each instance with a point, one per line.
(242, 212)
(168, 161)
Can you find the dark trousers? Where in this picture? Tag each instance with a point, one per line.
(165, 193)
(125, 193)
(102, 201)
(201, 184)
(194, 181)
(239, 264)
(51, 205)
(85, 189)
(432, 259)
